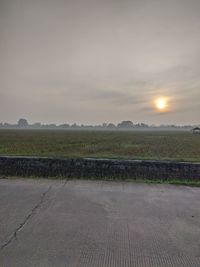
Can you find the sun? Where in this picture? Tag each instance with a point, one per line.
(161, 103)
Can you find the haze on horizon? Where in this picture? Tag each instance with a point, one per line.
(94, 61)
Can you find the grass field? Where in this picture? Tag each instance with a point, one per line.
(181, 146)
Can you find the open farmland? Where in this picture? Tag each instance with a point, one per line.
(181, 146)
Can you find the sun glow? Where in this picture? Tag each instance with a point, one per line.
(161, 104)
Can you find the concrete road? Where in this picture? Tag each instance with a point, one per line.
(98, 224)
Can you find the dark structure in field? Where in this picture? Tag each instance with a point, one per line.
(196, 130)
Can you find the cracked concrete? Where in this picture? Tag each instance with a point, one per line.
(98, 224)
(19, 228)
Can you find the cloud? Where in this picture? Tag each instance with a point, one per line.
(72, 60)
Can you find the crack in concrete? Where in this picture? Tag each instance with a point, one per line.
(66, 181)
(29, 216)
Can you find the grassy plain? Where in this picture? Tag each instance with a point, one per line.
(159, 145)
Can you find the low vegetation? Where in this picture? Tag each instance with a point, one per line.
(181, 146)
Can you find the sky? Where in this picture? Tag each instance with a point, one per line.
(94, 61)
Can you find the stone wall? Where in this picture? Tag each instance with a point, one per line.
(98, 168)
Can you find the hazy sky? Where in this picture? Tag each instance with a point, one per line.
(94, 61)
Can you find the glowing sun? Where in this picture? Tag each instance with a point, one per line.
(161, 103)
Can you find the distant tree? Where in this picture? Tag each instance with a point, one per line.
(74, 125)
(143, 125)
(6, 124)
(65, 125)
(22, 123)
(111, 125)
(125, 124)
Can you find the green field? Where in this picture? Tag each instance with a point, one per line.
(181, 146)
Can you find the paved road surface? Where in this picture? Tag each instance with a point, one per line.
(98, 224)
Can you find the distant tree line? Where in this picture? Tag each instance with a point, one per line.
(23, 124)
